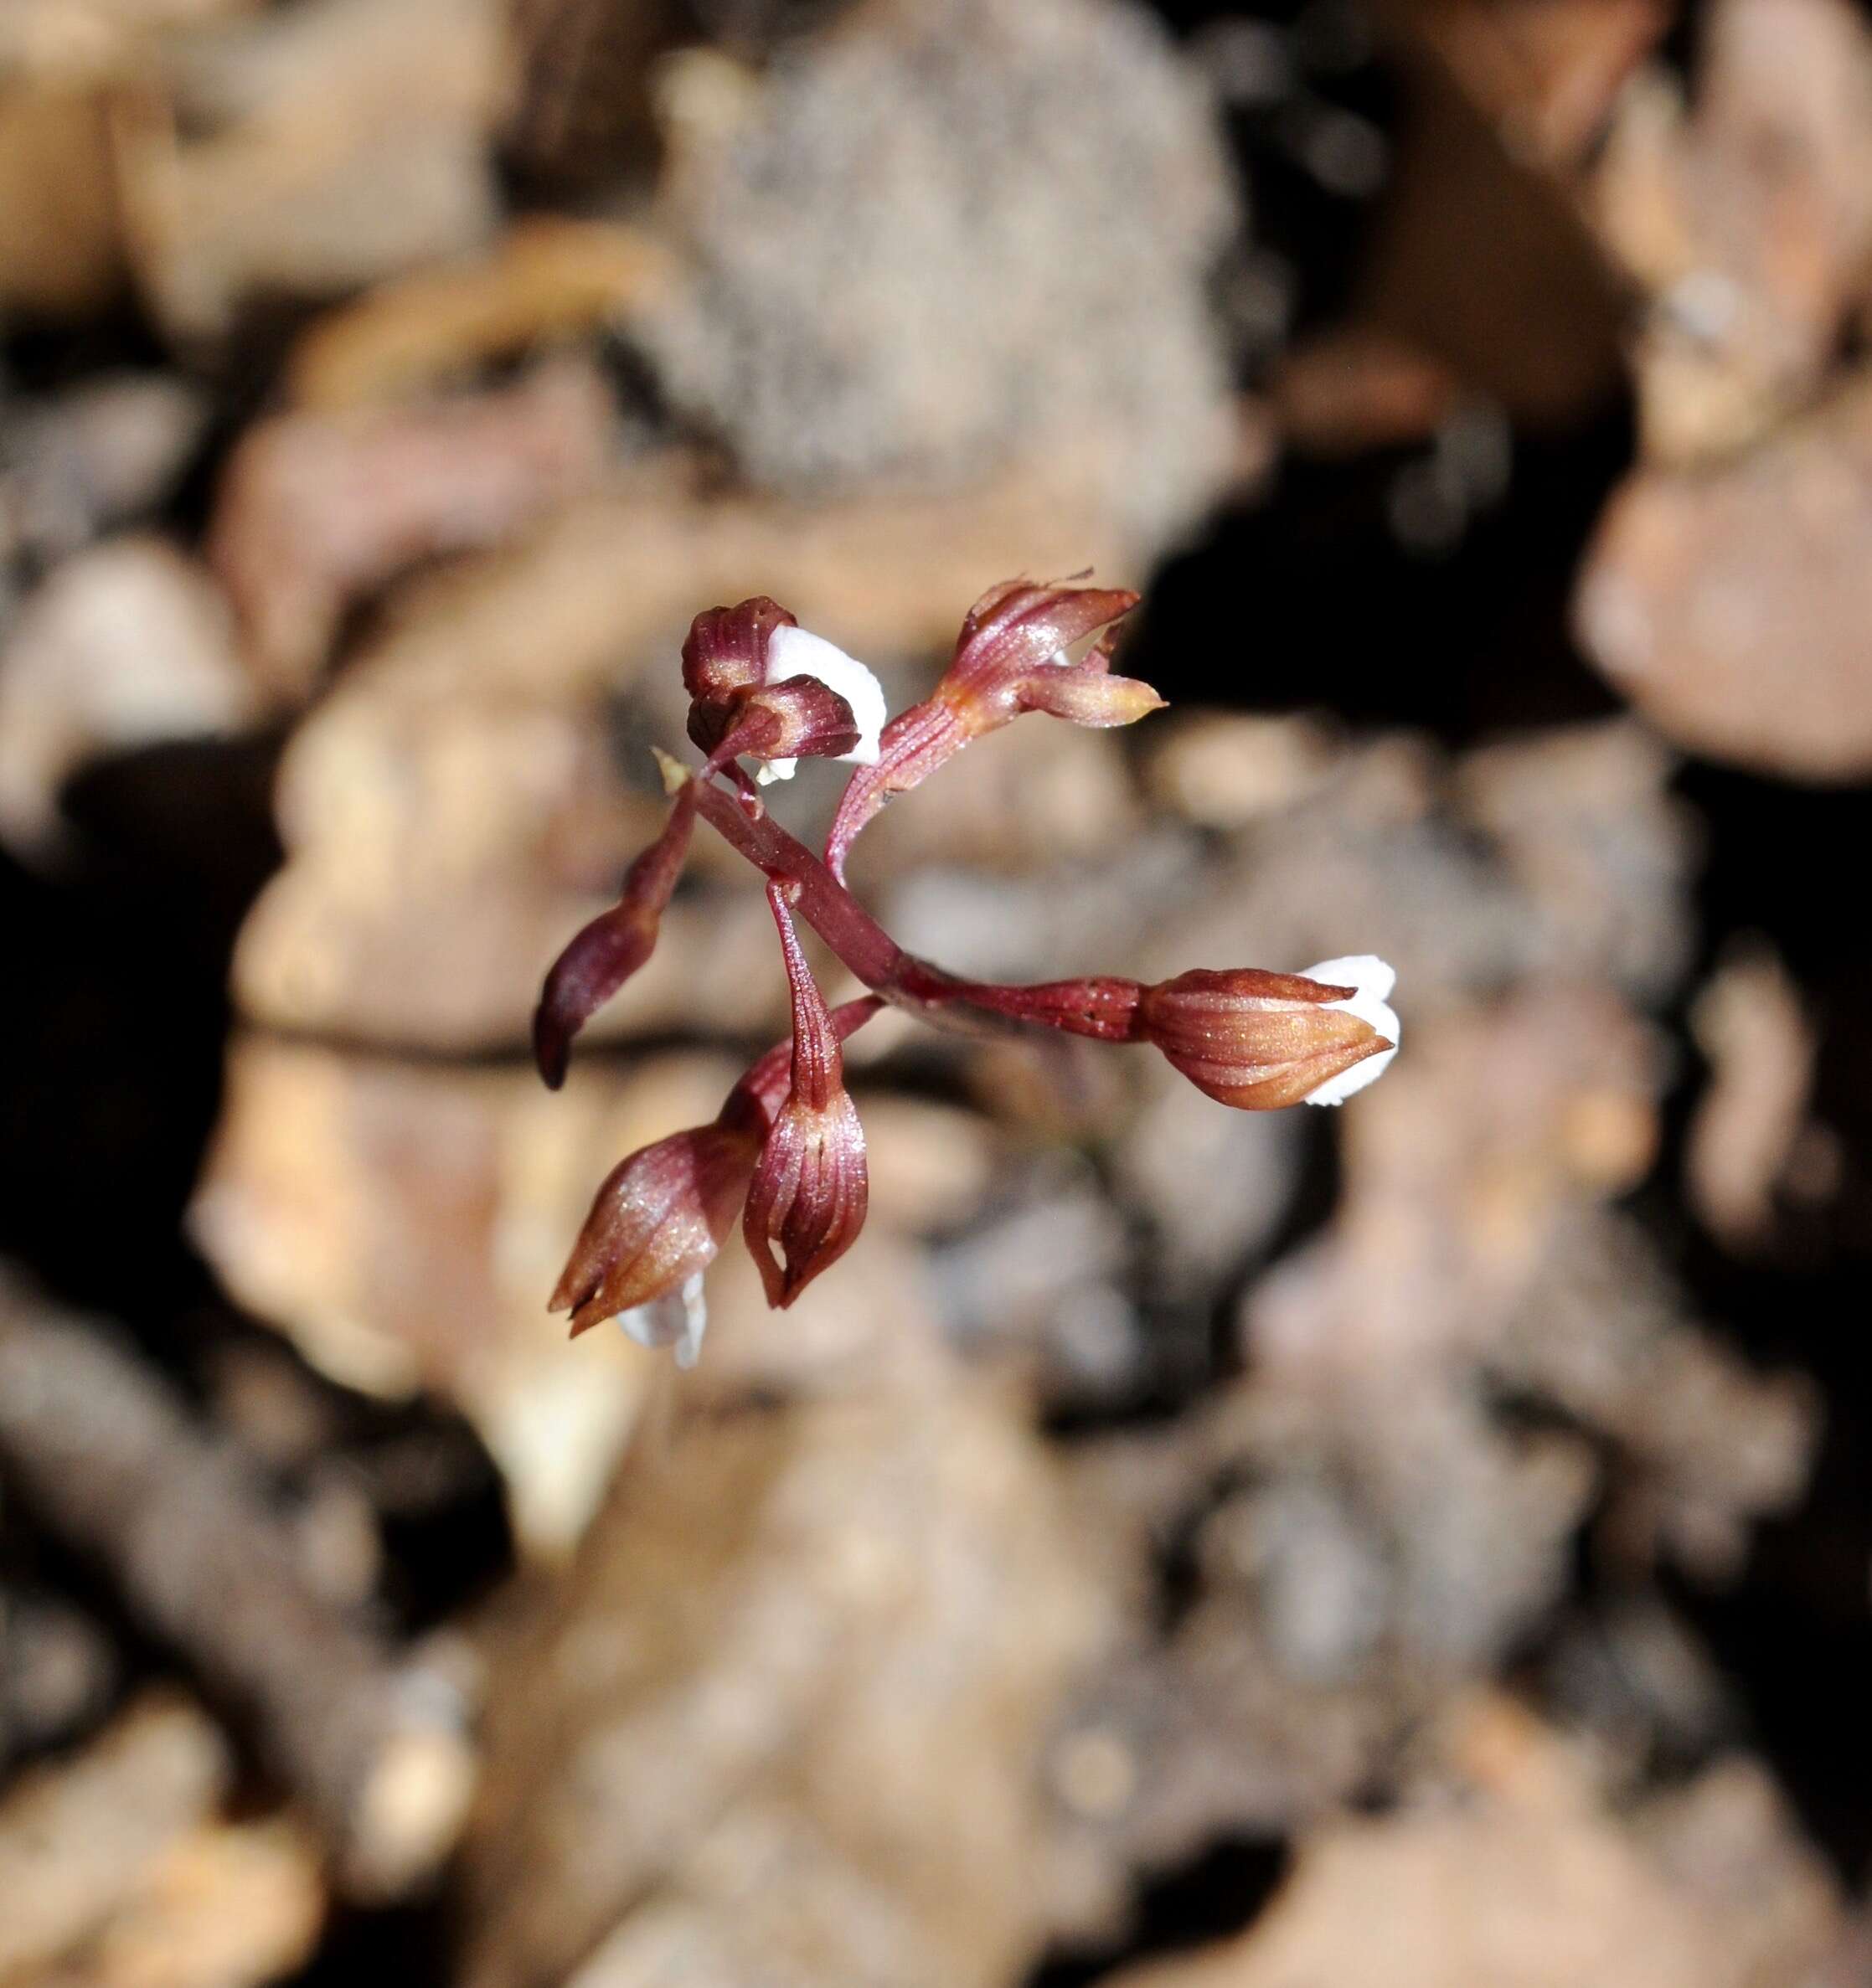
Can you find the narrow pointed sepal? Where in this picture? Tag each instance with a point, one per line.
(1088, 697)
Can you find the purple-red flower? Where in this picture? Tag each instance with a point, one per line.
(1011, 656)
(658, 1220)
(1258, 1041)
(761, 687)
(787, 1153)
(811, 1188)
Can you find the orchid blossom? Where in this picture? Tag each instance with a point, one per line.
(787, 1153)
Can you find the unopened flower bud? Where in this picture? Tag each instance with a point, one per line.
(604, 953)
(660, 1216)
(656, 1223)
(810, 1186)
(760, 685)
(1260, 1041)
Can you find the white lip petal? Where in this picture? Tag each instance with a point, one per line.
(1372, 979)
(678, 1319)
(798, 652)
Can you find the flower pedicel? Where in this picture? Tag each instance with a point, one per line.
(787, 1153)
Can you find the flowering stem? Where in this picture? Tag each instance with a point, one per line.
(832, 911)
(786, 1144)
(964, 1007)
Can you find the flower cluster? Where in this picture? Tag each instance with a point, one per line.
(786, 1152)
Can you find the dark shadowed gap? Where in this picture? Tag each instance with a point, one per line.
(1307, 598)
(117, 982)
(407, 1944)
(115, 1001)
(1794, 1634)
(1213, 1898)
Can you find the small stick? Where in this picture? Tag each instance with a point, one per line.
(112, 1463)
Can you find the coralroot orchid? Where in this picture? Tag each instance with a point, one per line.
(787, 1152)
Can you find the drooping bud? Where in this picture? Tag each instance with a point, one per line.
(657, 1223)
(1260, 1041)
(604, 953)
(660, 1216)
(811, 1188)
(762, 687)
(1011, 656)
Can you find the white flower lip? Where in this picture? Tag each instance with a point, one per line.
(798, 652)
(1372, 979)
(678, 1318)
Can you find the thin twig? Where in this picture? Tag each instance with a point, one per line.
(112, 1463)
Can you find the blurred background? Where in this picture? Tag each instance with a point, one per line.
(1428, 1544)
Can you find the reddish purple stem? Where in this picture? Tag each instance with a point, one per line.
(964, 1007)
